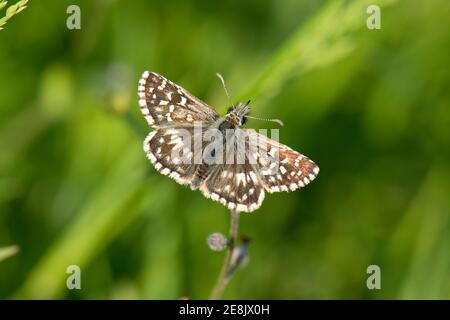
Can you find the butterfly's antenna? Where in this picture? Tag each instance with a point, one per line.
(225, 87)
(273, 120)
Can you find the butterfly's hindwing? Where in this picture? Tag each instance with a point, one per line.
(160, 146)
(163, 103)
(174, 152)
(236, 186)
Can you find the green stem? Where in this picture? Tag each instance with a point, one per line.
(223, 279)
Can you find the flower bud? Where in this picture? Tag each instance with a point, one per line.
(217, 241)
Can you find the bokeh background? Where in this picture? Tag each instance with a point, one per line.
(371, 107)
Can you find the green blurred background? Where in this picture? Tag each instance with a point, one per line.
(370, 107)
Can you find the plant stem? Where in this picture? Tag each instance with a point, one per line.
(223, 278)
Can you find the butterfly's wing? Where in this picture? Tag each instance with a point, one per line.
(172, 111)
(236, 186)
(171, 151)
(166, 104)
(280, 168)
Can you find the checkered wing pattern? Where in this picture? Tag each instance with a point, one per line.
(166, 104)
(280, 168)
(236, 186)
(170, 150)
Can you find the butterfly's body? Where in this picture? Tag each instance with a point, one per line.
(236, 115)
(229, 123)
(239, 185)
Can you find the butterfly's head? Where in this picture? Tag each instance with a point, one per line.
(237, 114)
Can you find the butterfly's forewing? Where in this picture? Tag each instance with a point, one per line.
(165, 104)
(286, 170)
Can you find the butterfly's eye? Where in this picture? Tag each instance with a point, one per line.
(243, 121)
(230, 109)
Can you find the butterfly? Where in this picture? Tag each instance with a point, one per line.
(239, 185)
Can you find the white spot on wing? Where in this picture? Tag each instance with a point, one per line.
(240, 177)
(241, 207)
(214, 196)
